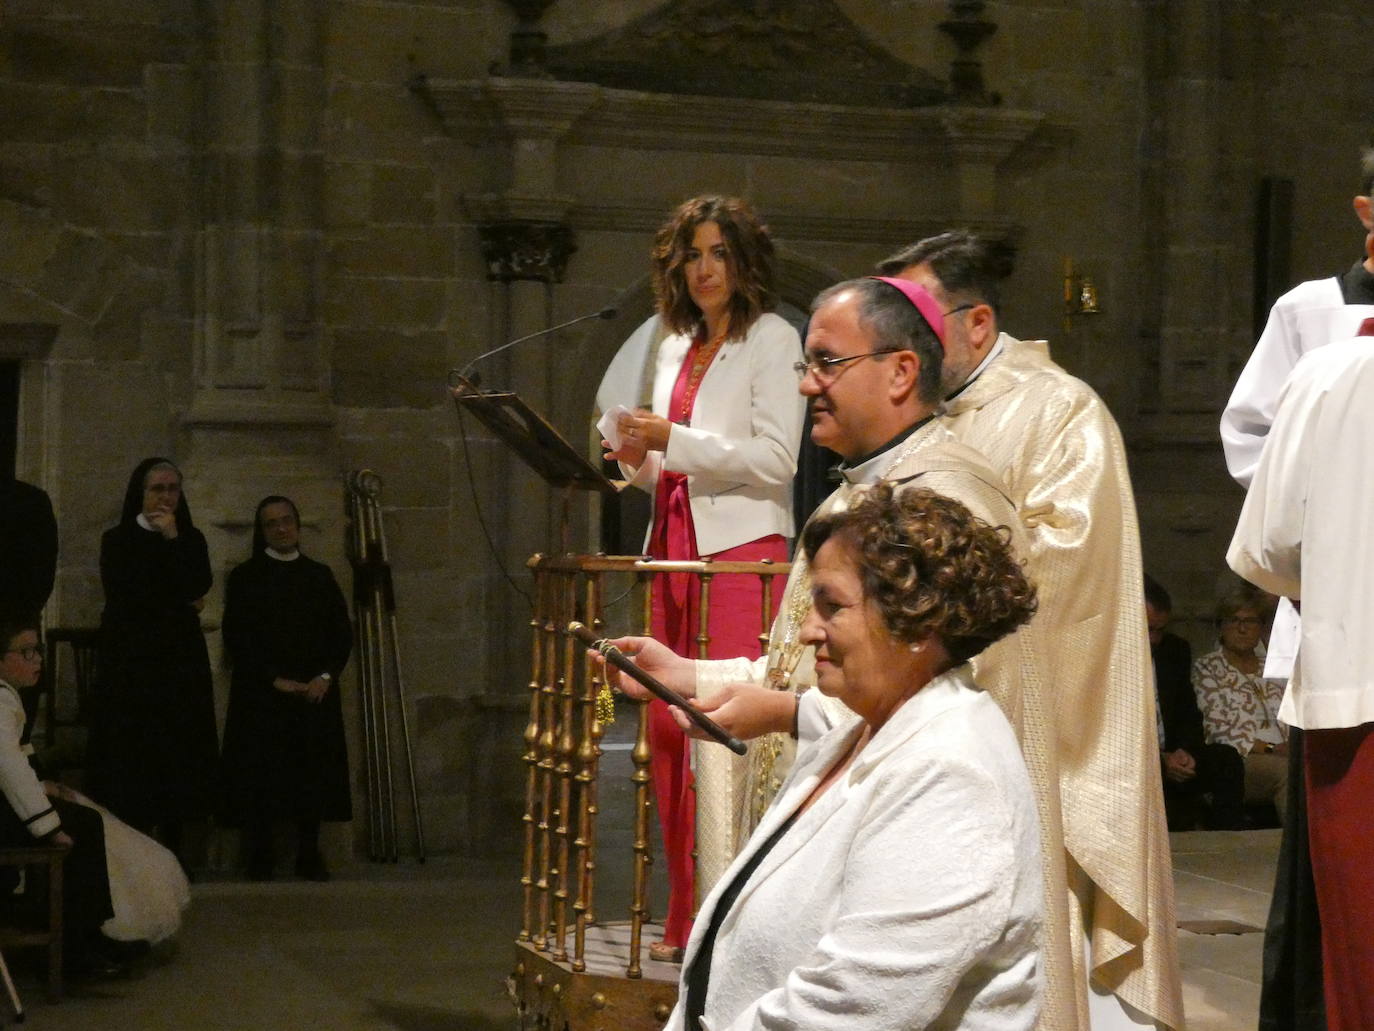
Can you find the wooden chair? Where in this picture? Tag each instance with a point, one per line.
(72, 669)
(25, 857)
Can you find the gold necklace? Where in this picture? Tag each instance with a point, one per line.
(700, 363)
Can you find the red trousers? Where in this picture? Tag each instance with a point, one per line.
(734, 629)
(1340, 830)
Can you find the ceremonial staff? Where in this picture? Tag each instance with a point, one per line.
(620, 661)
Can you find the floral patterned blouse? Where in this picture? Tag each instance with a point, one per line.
(1235, 706)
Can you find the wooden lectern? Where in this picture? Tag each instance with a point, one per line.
(540, 446)
(575, 970)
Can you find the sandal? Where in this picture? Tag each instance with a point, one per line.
(662, 952)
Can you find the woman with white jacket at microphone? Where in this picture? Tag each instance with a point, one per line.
(717, 450)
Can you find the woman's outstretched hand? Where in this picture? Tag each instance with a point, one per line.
(745, 711)
(654, 658)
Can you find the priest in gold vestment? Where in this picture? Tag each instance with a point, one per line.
(1062, 456)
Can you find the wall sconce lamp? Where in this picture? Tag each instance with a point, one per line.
(1080, 295)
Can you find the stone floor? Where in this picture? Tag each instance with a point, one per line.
(1222, 878)
(427, 948)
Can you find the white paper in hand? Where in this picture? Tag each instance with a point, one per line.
(609, 425)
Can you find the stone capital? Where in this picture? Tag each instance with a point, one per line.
(520, 249)
(987, 135)
(538, 108)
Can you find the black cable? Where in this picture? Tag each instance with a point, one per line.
(477, 507)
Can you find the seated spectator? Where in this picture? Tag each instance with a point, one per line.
(1240, 707)
(148, 888)
(1197, 776)
(29, 815)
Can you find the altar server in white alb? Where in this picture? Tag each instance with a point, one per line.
(1304, 534)
(1309, 316)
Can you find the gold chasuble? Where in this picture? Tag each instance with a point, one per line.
(732, 793)
(1061, 453)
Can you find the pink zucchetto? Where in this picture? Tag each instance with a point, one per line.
(924, 302)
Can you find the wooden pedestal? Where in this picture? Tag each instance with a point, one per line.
(552, 996)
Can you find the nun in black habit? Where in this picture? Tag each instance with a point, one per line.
(287, 635)
(153, 739)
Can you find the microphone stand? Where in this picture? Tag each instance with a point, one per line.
(460, 377)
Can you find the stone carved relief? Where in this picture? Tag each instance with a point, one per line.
(522, 250)
(969, 30)
(796, 50)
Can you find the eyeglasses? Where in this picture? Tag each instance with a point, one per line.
(31, 653)
(820, 367)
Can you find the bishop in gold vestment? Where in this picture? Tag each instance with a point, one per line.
(1060, 452)
(1057, 448)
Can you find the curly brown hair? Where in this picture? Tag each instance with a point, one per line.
(749, 255)
(932, 567)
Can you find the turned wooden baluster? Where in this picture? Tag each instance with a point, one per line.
(594, 802)
(588, 752)
(564, 752)
(531, 760)
(703, 614)
(547, 701)
(766, 611)
(639, 756)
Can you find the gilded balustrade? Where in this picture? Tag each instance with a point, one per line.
(594, 977)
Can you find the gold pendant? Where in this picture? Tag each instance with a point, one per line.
(605, 706)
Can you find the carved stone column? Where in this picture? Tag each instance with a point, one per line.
(526, 241)
(1197, 163)
(523, 230)
(257, 318)
(260, 420)
(980, 139)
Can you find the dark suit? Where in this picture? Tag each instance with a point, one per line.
(28, 548)
(1220, 771)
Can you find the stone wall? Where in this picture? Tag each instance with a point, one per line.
(249, 235)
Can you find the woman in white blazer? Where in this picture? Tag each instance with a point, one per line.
(894, 883)
(718, 451)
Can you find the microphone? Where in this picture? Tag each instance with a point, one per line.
(456, 375)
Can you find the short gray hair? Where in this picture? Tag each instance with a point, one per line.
(896, 325)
